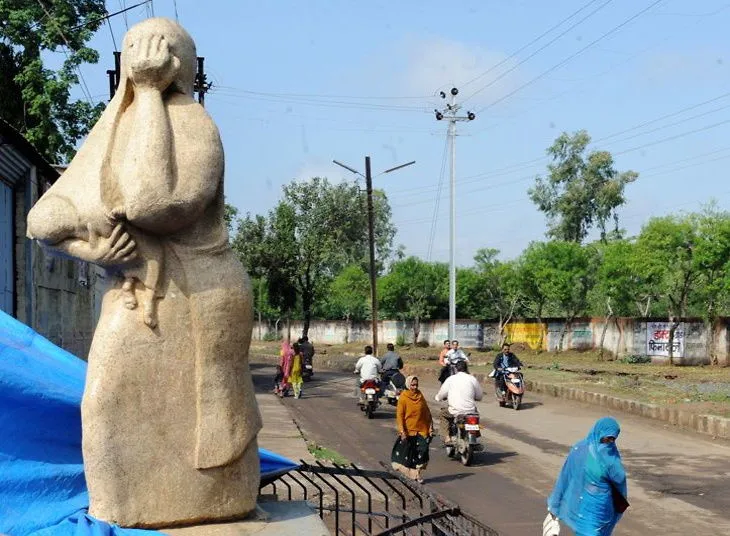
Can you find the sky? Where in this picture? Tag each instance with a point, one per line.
(297, 84)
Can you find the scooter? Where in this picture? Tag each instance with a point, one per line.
(393, 383)
(464, 438)
(515, 388)
(369, 397)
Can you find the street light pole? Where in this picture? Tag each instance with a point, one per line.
(449, 113)
(371, 239)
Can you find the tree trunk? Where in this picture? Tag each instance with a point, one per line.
(348, 323)
(307, 313)
(288, 329)
(672, 329)
(605, 328)
(542, 335)
(563, 330)
(416, 329)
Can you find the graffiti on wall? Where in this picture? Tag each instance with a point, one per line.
(529, 333)
(657, 339)
(581, 336)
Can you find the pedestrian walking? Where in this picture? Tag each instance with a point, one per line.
(295, 378)
(590, 494)
(283, 371)
(415, 430)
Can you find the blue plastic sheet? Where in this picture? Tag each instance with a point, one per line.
(42, 486)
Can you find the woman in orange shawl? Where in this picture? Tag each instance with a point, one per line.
(415, 429)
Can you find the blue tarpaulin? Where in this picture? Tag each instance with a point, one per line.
(42, 486)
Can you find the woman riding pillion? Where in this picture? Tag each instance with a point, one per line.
(590, 493)
(415, 429)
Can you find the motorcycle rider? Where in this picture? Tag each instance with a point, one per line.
(368, 367)
(391, 364)
(462, 391)
(442, 361)
(307, 349)
(504, 360)
(453, 356)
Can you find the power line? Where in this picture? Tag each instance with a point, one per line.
(174, 5)
(437, 200)
(572, 56)
(123, 5)
(490, 84)
(535, 40)
(110, 15)
(322, 96)
(52, 21)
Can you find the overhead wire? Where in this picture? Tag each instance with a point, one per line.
(543, 47)
(527, 45)
(437, 202)
(84, 87)
(572, 56)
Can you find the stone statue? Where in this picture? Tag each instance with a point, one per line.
(169, 414)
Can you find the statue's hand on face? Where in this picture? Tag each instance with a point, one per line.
(152, 66)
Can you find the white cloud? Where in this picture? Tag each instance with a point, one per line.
(436, 64)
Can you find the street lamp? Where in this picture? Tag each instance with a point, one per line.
(371, 237)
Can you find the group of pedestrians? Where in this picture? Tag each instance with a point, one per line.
(289, 371)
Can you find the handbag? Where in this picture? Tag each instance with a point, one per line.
(620, 504)
(551, 526)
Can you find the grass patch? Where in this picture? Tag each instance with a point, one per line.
(326, 455)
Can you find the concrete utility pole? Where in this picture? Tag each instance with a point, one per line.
(371, 239)
(449, 113)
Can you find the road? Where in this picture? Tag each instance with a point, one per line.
(677, 481)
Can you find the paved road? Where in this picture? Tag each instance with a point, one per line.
(677, 481)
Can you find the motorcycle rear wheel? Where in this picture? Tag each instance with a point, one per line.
(370, 411)
(467, 455)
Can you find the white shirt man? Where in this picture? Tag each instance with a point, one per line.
(456, 354)
(369, 367)
(462, 390)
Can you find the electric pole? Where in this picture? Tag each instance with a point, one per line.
(371, 239)
(449, 113)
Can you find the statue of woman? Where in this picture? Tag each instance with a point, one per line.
(169, 414)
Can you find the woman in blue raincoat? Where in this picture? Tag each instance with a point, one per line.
(583, 498)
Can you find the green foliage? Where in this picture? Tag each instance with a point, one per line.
(413, 289)
(635, 359)
(36, 100)
(348, 295)
(617, 291)
(400, 339)
(315, 231)
(581, 191)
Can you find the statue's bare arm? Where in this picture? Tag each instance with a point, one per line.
(166, 183)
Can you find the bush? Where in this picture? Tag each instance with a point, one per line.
(272, 336)
(635, 359)
(400, 340)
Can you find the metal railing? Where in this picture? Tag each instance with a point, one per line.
(351, 501)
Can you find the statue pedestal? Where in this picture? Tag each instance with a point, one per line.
(288, 518)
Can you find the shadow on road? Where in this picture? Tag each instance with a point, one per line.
(529, 405)
(447, 478)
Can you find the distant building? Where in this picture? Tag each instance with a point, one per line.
(59, 298)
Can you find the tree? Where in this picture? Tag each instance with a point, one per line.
(315, 231)
(666, 261)
(580, 190)
(36, 100)
(712, 259)
(412, 290)
(348, 295)
(499, 294)
(558, 274)
(615, 290)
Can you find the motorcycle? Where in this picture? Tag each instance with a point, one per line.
(393, 383)
(515, 388)
(464, 438)
(307, 370)
(369, 397)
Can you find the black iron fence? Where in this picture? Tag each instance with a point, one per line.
(353, 501)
